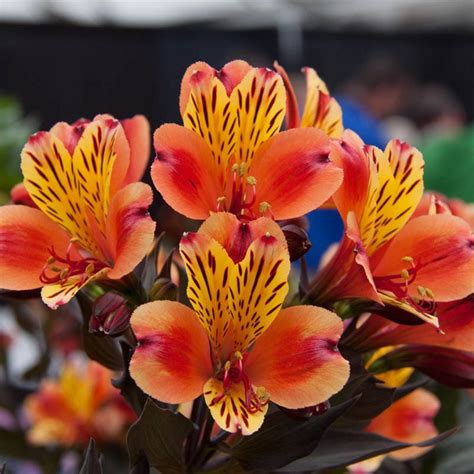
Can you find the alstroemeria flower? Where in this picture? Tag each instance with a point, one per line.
(91, 222)
(80, 405)
(405, 264)
(230, 155)
(410, 420)
(320, 109)
(237, 346)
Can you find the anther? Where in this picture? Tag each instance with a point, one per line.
(90, 268)
(51, 260)
(429, 293)
(264, 207)
(421, 291)
(251, 181)
(404, 274)
(64, 274)
(407, 259)
(73, 240)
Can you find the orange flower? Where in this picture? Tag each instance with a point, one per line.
(230, 155)
(320, 109)
(402, 263)
(91, 221)
(409, 420)
(237, 283)
(80, 405)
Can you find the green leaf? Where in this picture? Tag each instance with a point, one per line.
(281, 439)
(159, 435)
(340, 447)
(92, 462)
(102, 349)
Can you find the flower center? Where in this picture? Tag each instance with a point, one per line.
(233, 373)
(60, 269)
(398, 285)
(243, 195)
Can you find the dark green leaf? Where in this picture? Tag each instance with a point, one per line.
(102, 349)
(92, 463)
(159, 435)
(281, 439)
(340, 448)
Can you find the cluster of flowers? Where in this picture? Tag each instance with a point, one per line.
(398, 287)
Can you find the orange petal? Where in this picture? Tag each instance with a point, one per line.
(172, 361)
(236, 236)
(208, 268)
(297, 360)
(130, 229)
(442, 248)
(260, 103)
(137, 131)
(26, 234)
(184, 172)
(321, 110)
(292, 114)
(201, 67)
(394, 192)
(233, 73)
(258, 286)
(228, 408)
(69, 134)
(19, 195)
(57, 294)
(350, 156)
(209, 114)
(294, 174)
(409, 420)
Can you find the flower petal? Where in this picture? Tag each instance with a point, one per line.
(172, 361)
(399, 187)
(294, 174)
(233, 73)
(258, 286)
(73, 191)
(137, 131)
(209, 114)
(236, 236)
(229, 411)
(350, 156)
(200, 67)
(130, 229)
(209, 268)
(292, 114)
(26, 234)
(296, 360)
(184, 172)
(409, 420)
(442, 248)
(260, 103)
(321, 110)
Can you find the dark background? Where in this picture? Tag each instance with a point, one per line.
(65, 72)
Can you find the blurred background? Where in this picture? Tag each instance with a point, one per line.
(400, 69)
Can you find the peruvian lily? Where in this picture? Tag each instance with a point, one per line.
(402, 264)
(91, 219)
(237, 346)
(79, 405)
(230, 156)
(320, 109)
(409, 420)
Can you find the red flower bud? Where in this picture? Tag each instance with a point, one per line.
(110, 315)
(298, 241)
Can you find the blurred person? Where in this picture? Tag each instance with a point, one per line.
(378, 90)
(447, 142)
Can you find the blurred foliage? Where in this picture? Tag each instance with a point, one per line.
(15, 129)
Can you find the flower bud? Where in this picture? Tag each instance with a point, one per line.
(298, 241)
(110, 315)
(163, 289)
